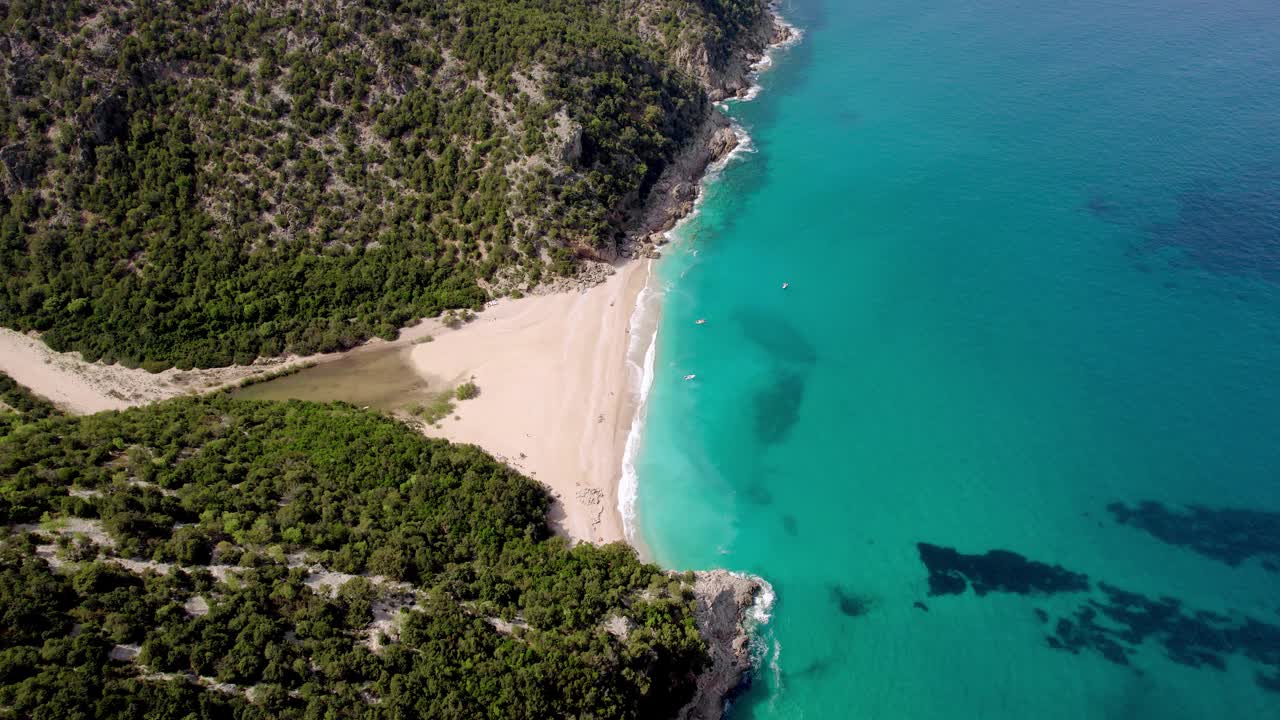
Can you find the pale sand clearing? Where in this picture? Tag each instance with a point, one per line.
(556, 400)
(82, 387)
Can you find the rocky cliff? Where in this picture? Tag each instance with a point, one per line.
(724, 604)
(723, 72)
(723, 64)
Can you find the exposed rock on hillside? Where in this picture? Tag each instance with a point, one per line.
(723, 64)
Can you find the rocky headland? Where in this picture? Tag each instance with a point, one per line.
(676, 192)
(725, 603)
(724, 73)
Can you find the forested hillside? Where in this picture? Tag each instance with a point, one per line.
(219, 558)
(199, 183)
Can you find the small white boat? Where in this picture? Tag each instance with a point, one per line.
(699, 321)
(786, 285)
(690, 377)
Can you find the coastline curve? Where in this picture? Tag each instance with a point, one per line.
(648, 310)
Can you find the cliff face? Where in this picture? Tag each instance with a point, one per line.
(722, 62)
(724, 601)
(717, 40)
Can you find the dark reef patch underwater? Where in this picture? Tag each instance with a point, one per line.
(777, 336)
(1034, 269)
(952, 572)
(852, 604)
(1226, 228)
(777, 404)
(1228, 535)
(778, 407)
(1114, 623)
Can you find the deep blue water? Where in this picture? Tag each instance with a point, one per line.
(1034, 255)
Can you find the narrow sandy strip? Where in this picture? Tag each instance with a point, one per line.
(555, 395)
(78, 386)
(82, 387)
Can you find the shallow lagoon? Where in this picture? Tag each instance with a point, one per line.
(379, 377)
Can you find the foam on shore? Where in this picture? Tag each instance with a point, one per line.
(759, 67)
(642, 350)
(643, 347)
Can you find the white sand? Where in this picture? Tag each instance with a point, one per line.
(51, 375)
(555, 395)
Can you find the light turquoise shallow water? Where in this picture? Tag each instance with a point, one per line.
(1034, 251)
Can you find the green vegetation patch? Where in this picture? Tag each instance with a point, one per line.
(466, 390)
(435, 409)
(231, 514)
(201, 183)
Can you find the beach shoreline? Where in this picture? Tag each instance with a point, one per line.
(642, 355)
(581, 362)
(563, 373)
(556, 401)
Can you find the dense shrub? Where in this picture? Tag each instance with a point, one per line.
(200, 183)
(280, 491)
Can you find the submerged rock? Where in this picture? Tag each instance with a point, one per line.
(852, 604)
(952, 572)
(1228, 535)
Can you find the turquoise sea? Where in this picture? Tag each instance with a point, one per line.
(1034, 260)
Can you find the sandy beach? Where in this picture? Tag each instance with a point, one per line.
(556, 399)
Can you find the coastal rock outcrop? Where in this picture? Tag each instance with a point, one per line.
(723, 141)
(732, 78)
(723, 61)
(674, 195)
(724, 70)
(724, 604)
